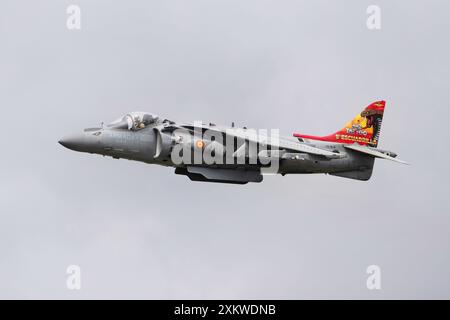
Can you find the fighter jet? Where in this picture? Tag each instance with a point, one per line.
(230, 154)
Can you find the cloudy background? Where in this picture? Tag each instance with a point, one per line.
(139, 231)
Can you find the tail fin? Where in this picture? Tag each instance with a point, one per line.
(364, 129)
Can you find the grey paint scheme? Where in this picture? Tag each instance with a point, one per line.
(153, 145)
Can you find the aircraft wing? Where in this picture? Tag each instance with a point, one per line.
(372, 152)
(282, 143)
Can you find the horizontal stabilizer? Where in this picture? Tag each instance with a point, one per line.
(372, 152)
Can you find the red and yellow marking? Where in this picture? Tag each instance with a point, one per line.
(200, 144)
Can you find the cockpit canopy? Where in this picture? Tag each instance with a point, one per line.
(134, 121)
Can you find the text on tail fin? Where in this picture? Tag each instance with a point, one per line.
(363, 129)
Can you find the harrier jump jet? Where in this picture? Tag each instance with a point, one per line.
(227, 154)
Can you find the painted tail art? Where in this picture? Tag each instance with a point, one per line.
(364, 129)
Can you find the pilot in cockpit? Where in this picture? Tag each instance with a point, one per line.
(146, 120)
(134, 121)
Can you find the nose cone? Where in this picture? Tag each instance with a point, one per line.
(83, 142)
(73, 142)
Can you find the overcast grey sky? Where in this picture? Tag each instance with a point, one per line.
(139, 231)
